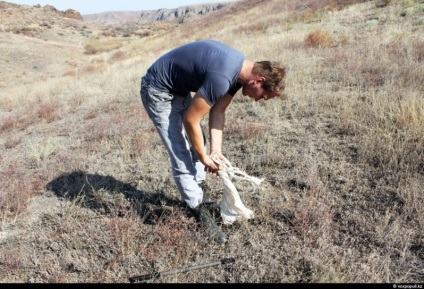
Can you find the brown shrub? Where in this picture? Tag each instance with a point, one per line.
(25, 121)
(12, 203)
(7, 125)
(47, 111)
(318, 38)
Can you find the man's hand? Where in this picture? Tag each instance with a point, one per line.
(211, 166)
(215, 162)
(219, 158)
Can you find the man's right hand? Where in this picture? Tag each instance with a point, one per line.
(211, 167)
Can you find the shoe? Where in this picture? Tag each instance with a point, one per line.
(211, 228)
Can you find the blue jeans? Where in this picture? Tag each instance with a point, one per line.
(167, 110)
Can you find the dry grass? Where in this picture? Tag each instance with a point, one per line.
(88, 195)
(100, 46)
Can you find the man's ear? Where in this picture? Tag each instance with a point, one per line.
(261, 79)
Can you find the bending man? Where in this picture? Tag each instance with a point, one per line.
(214, 72)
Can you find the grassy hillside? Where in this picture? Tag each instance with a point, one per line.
(87, 194)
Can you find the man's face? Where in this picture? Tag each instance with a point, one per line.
(255, 90)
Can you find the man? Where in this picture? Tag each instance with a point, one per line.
(214, 72)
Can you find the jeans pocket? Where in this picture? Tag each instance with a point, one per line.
(157, 103)
(160, 96)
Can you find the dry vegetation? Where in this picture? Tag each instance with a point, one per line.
(87, 194)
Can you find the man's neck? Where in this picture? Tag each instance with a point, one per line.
(246, 72)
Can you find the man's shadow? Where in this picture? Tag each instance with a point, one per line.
(110, 196)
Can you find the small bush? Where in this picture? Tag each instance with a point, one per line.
(47, 111)
(319, 38)
(7, 124)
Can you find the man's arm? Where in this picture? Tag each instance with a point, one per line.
(216, 123)
(195, 113)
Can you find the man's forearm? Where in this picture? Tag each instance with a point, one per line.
(195, 135)
(216, 127)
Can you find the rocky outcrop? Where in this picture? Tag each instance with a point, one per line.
(180, 14)
(47, 10)
(73, 14)
(177, 15)
(69, 13)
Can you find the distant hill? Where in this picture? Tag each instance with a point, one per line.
(177, 15)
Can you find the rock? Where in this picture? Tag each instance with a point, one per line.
(73, 14)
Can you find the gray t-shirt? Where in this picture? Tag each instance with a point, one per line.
(207, 65)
